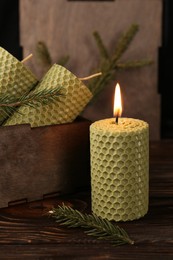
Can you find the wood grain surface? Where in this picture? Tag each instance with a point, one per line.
(26, 231)
(67, 27)
(43, 161)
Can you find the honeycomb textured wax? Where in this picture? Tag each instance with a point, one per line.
(119, 168)
(15, 78)
(65, 109)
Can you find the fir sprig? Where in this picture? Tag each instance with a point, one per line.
(43, 56)
(110, 63)
(125, 41)
(94, 225)
(63, 60)
(8, 104)
(103, 51)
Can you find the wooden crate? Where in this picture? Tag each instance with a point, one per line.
(43, 161)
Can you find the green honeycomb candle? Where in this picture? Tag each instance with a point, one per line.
(120, 168)
(65, 110)
(15, 78)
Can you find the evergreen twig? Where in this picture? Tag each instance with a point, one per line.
(109, 65)
(124, 42)
(44, 58)
(132, 64)
(63, 60)
(42, 54)
(94, 225)
(9, 104)
(103, 52)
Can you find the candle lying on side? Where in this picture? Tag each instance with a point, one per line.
(64, 110)
(15, 79)
(119, 168)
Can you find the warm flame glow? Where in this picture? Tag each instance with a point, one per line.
(117, 102)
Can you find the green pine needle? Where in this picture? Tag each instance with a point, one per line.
(94, 225)
(34, 99)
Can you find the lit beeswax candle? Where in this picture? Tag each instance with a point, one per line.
(119, 168)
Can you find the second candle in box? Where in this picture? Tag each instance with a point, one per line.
(119, 167)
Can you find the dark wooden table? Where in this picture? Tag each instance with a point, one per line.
(26, 232)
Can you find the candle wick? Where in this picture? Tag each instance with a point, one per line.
(116, 120)
(91, 76)
(27, 58)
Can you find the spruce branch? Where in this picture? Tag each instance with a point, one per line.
(132, 64)
(124, 42)
(111, 64)
(63, 60)
(94, 225)
(9, 104)
(103, 52)
(44, 58)
(42, 54)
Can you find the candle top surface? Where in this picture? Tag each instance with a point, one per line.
(124, 125)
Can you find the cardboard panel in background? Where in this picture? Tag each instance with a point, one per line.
(67, 26)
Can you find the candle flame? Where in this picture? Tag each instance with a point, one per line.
(117, 102)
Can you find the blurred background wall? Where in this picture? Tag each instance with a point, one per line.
(67, 27)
